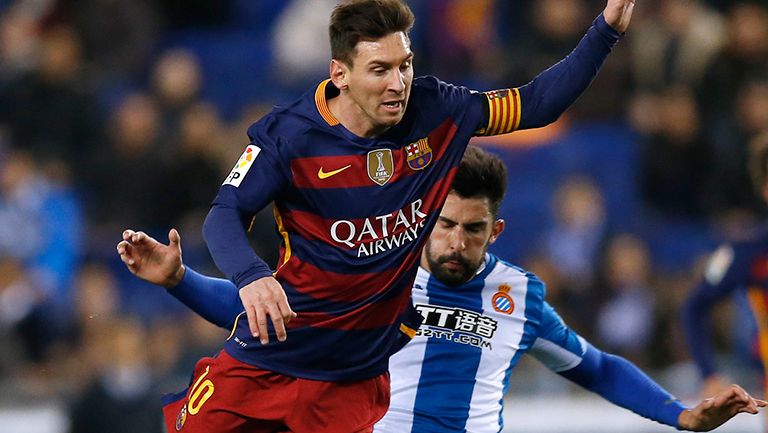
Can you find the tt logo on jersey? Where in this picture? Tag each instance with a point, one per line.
(457, 325)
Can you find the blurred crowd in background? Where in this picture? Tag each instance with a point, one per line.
(128, 114)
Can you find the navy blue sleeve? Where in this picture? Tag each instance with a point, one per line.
(215, 299)
(723, 274)
(548, 95)
(623, 384)
(257, 179)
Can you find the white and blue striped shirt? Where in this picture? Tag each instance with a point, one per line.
(453, 375)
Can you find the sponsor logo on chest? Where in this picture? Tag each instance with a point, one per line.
(374, 235)
(457, 325)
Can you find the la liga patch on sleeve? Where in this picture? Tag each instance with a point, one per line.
(243, 165)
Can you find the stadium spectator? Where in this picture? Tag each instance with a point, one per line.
(676, 45)
(625, 321)
(176, 81)
(121, 397)
(675, 179)
(56, 92)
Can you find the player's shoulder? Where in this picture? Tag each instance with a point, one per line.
(431, 88)
(512, 274)
(280, 124)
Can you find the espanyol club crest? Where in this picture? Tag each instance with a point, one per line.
(418, 154)
(380, 166)
(501, 300)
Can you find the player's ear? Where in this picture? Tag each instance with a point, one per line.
(339, 72)
(498, 227)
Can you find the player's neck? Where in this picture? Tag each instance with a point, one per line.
(352, 117)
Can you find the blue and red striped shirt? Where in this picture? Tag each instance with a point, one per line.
(355, 212)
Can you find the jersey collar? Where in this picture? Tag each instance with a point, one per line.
(321, 101)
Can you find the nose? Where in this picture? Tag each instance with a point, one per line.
(457, 240)
(397, 82)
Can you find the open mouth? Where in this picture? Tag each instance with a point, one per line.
(393, 106)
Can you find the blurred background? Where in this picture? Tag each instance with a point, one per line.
(129, 113)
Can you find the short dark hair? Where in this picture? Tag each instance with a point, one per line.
(481, 174)
(356, 20)
(758, 162)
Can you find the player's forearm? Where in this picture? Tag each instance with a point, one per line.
(214, 299)
(225, 236)
(548, 95)
(622, 383)
(697, 330)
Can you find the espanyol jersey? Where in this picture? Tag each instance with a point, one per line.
(454, 373)
(353, 214)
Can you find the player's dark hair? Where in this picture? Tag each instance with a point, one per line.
(356, 20)
(758, 162)
(481, 174)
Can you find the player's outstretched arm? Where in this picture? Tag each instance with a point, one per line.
(549, 94)
(714, 411)
(622, 383)
(215, 299)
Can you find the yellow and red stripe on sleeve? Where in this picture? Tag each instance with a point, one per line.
(503, 112)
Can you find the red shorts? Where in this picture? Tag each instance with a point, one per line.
(228, 396)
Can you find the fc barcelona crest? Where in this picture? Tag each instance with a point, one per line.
(380, 165)
(418, 154)
(501, 300)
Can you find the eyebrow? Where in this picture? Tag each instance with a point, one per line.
(389, 64)
(473, 224)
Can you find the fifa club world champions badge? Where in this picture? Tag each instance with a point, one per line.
(381, 166)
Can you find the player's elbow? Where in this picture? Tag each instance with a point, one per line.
(212, 224)
(548, 118)
(208, 225)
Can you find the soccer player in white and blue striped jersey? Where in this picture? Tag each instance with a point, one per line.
(480, 315)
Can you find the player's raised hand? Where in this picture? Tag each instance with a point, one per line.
(618, 14)
(151, 260)
(265, 298)
(714, 411)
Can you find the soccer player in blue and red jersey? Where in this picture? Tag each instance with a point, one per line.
(358, 170)
(737, 268)
(480, 315)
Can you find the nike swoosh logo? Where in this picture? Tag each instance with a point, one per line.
(323, 175)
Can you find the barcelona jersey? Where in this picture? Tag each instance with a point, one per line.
(353, 214)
